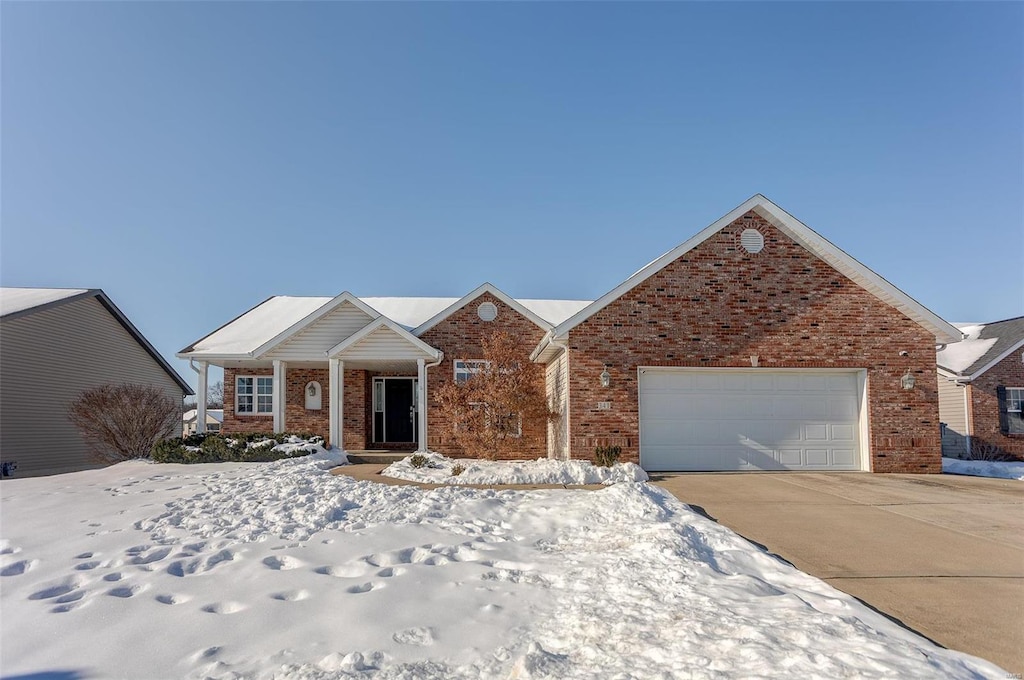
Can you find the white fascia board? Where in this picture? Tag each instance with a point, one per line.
(951, 375)
(311, 318)
(462, 302)
(995, 361)
(382, 322)
(801, 233)
(547, 349)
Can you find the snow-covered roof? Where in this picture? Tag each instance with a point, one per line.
(269, 319)
(984, 346)
(13, 300)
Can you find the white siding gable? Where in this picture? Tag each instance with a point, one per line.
(382, 344)
(311, 343)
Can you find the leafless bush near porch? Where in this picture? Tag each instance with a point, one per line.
(120, 422)
(982, 450)
(488, 412)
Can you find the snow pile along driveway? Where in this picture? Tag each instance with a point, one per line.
(439, 470)
(282, 570)
(983, 468)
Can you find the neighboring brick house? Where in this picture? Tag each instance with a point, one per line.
(755, 345)
(981, 389)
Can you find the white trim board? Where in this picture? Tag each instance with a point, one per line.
(311, 318)
(382, 322)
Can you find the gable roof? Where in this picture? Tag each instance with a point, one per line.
(19, 302)
(799, 232)
(313, 317)
(480, 290)
(374, 326)
(984, 346)
(241, 337)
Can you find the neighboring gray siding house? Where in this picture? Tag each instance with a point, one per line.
(55, 343)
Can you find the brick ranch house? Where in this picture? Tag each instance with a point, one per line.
(755, 345)
(981, 390)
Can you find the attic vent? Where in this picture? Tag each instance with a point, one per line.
(487, 311)
(752, 241)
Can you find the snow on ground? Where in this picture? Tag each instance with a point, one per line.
(438, 470)
(983, 468)
(281, 570)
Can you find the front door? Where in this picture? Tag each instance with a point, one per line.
(395, 414)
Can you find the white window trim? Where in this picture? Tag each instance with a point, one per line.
(1019, 400)
(467, 368)
(255, 395)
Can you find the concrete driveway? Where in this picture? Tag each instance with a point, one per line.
(942, 554)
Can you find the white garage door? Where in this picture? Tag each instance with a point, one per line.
(749, 420)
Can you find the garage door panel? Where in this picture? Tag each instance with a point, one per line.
(749, 420)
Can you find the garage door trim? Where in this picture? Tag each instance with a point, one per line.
(862, 398)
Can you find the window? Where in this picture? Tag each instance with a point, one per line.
(254, 395)
(467, 367)
(1014, 408)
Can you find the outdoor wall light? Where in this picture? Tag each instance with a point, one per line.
(907, 381)
(753, 360)
(312, 390)
(606, 377)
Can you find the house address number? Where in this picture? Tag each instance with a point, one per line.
(604, 406)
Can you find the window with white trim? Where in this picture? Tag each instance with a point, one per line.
(510, 424)
(464, 368)
(1015, 409)
(254, 395)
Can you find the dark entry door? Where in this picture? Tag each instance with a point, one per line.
(399, 416)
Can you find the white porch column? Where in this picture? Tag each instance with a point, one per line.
(336, 387)
(201, 397)
(280, 389)
(421, 405)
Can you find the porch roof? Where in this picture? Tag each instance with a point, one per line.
(382, 342)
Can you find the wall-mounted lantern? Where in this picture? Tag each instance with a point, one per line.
(314, 396)
(753, 360)
(606, 377)
(907, 381)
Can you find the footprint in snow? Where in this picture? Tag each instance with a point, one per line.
(223, 608)
(125, 591)
(7, 549)
(282, 562)
(87, 566)
(291, 595)
(364, 587)
(170, 598)
(388, 572)
(113, 576)
(418, 637)
(150, 557)
(350, 570)
(18, 568)
(56, 589)
(84, 556)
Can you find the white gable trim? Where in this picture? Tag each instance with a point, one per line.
(382, 322)
(311, 318)
(802, 234)
(462, 302)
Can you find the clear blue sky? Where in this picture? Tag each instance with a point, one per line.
(192, 159)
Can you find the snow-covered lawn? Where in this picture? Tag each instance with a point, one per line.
(983, 468)
(438, 470)
(281, 570)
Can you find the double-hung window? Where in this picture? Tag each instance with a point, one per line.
(1015, 409)
(254, 395)
(464, 368)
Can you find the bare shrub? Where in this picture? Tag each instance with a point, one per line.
(982, 450)
(120, 422)
(486, 413)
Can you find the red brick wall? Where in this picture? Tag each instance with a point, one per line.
(985, 405)
(717, 305)
(297, 417)
(460, 337)
(243, 423)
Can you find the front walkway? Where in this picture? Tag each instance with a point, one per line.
(370, 472)
(943, 554)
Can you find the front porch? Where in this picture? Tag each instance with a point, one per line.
(368, 393)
